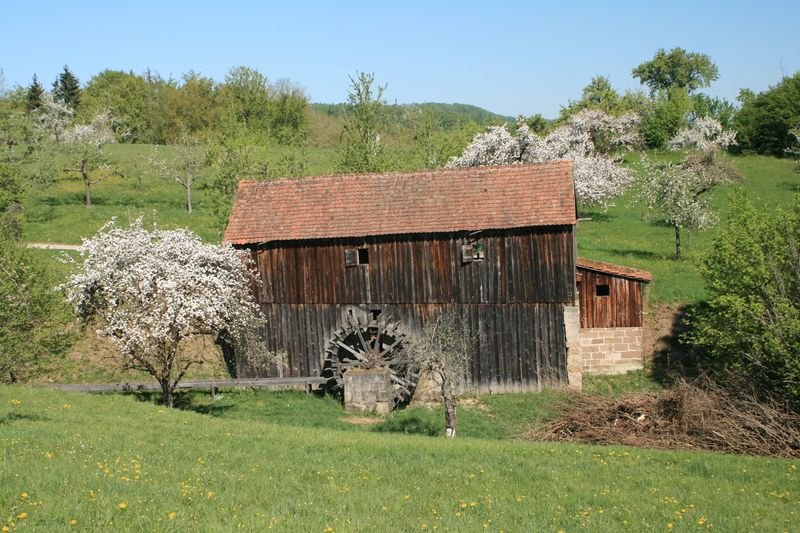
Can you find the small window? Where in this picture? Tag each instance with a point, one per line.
(472, 252)
(356, 256)
(601, 290)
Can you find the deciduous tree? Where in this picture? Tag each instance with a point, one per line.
(442, 352)
(680, 193)
(33, 320)
(364, 120)
(149, 290)
(676, 69)
(185, 168)
(598, 175)
(84, 143)
(751, 324)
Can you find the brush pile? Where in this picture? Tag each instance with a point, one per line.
(696, 415)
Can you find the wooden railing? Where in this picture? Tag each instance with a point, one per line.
(212, 384)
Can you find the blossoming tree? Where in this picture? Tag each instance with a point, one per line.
(680, 193)
(588, 139)
(148, 290)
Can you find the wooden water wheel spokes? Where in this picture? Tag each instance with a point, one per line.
(371, 343)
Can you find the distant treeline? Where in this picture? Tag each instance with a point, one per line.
(147, 108)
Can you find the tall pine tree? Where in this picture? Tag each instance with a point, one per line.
(35, 95)
(67, 88)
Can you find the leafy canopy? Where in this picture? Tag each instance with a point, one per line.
(751, 325)
(676, 69)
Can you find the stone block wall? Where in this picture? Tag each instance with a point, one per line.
(368, 390)
(611, 350)
(572, 324)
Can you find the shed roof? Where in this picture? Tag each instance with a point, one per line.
(614, 270)
(473, 198)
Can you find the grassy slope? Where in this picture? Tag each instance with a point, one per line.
(624, 235)
(620, 235)
(147, 468)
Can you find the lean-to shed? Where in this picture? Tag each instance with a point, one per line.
(351, 262)
(611, 300)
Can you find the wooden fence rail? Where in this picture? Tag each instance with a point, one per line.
(211, 384)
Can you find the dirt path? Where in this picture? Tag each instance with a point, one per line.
(53, 246)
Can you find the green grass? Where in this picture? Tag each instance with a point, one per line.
(111, 462)
(621, 235)
(625, 236)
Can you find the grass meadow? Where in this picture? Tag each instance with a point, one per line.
(79, 462)
(623, 234)
(257, 460)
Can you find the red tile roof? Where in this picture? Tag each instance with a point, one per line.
(614, 270)
(474, 198)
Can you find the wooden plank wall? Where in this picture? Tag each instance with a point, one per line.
(519, 347)
(513, 299)
(533, 266)
(621, 308)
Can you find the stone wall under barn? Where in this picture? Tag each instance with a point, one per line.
(611, 350)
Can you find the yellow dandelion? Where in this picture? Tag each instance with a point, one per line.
(473, 504)
(670, 526)
(5, 529)
(701, 521)
(23, 495)
(123, 505)
(15, 403)
(73, 522)
(210, 494)
(22, 516)
(172, 515)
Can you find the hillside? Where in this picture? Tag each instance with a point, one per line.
(149, 468)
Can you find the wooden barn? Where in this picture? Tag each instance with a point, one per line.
(611, 300)
(350, 265)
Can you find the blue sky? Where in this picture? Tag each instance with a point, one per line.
(508, 57)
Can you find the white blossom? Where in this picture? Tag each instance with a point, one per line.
(703, 133)
(97, 133)
(149, 290)
(598, 176)
(54, 117)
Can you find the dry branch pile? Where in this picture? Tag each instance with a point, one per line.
(699, 415)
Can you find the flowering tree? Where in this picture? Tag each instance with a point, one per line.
(149, 290)
(85, 147)
(54, 117)
(704, 133)
(588, 139)
(185, 169)
(681, 193)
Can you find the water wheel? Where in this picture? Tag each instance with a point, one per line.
(375, 342)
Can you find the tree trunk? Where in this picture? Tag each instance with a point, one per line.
(167, 392)
(450, 419)
(677, 242)
(87, 184)
(189, 199)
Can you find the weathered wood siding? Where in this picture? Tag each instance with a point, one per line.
(533, 266)
(513, 299)
(519, 347)
(621, 307)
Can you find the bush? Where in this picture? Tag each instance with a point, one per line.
(751, 325)
(33, 318)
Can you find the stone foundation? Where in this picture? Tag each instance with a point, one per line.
(368, 390)
(611, 350)
(572, 325)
